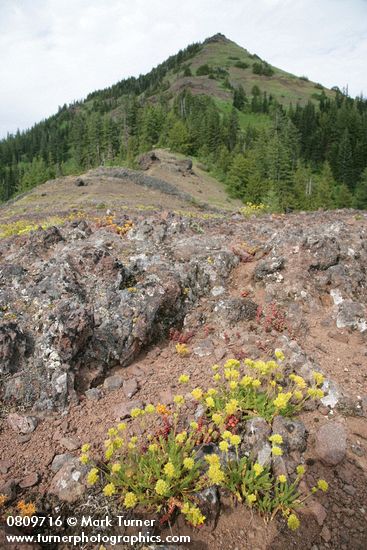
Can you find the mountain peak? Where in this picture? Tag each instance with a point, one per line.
(219, 37)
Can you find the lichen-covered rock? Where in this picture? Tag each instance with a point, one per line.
(68, 483)
(293, 433)
(268, 267)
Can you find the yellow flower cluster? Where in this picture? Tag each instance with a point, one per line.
(192, 514)
(161, 487)
(26, 509)
(130, 500)
(293, 522)
(182, 350)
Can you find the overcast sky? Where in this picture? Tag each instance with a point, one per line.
(55, 51)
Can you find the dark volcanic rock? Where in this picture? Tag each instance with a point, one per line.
(267, 267)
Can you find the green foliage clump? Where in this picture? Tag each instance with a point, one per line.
(203, 70)
(241, 65)
(262, 68)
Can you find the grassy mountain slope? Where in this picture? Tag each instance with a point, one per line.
(218, 51)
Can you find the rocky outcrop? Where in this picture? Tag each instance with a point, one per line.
(80, 301)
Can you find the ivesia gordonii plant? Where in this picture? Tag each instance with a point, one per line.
(166, 470)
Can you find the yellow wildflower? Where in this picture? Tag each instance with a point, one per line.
(161, 487)
(223, 446)
(251, 498)
(116, 468)
(298, 380)
(217, 418)
(136, 412)
(231, 407)
(323, 485)
(130, 500)
(92, 476)
(189, 463)
(26, 510)
(258, 469)
(121, 426)
(232, 364)
(318, 377)
(182, 349)
(233, 385)
(213, 460)
(193, 514)
(197, 393)
(84, 459)
(181, 437)
(210, 402)
(184, 378)
(217, 377)
(246, 380)
(298, 395)
(109, 490)
(281, 401)
(293, 522)
(215, 474)
(235, 440)
(226, 434)
(169, 469)
(315, 393)
(282, 478)
(162, 409)
(194, 425)
(153, 448)
(276, 438)
(150, 409)
(279, 355)
(277, 451)
(109, 453)
(85, 448)
(179, 399)
(256, 383)
(300, 470)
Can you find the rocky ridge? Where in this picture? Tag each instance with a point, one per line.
(87, 314)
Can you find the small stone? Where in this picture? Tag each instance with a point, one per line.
(29, 481)
(325, 534)
(68, 484)
(350, 490)
(219, 353)
(204, 348)
(123, 410)
(5, 466)
(165, 397)
(130, 387)
(339, 336)
(113, 382)
(314, 508)
(331, 443)
(70, 443)
(8, 489)
(94, 394)
(22, 424)
(24, 438)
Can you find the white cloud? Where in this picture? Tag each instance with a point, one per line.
(54, 52)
